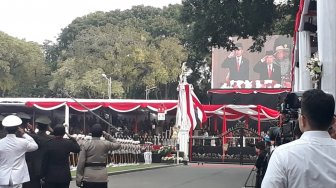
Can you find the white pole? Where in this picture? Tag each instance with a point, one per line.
(66, 119)
(304, 55)
(326, 33)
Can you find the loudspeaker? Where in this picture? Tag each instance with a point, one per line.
(309, 26)
(313, 41)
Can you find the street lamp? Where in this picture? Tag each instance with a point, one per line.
(109, 85)
(148, 91)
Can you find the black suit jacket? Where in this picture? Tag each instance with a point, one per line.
(56, 166)
(34, 159)
(261, 68)
(242, 74)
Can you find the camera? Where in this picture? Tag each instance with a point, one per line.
(289, 129)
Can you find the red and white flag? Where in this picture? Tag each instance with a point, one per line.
(189, 110)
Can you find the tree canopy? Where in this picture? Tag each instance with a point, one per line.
(22, 68)
(213, 22)
(139, 48)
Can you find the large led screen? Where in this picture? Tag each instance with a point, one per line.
(242, 69)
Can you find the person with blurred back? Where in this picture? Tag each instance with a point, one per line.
(309, 161)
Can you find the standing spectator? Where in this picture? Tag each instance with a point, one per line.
(56, 167)
(13, 167)
(261, 163)
(34, 159)
(91, 169)
(310, 161)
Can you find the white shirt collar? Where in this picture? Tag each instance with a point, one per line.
(318, 134)
(11, 135)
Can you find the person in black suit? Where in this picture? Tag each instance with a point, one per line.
(261, 163)
(34, 159)
(56, 165)
(268, 68)
(238, 65)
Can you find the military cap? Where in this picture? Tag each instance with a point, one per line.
(11, 121)
(43, 120)
(23, 115)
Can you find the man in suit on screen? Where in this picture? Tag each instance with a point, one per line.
(238, 65)
(268, 68)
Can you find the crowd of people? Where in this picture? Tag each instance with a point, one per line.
(30, 158)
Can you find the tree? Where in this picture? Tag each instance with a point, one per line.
(130, 56)
(213, 22)
(22, 69)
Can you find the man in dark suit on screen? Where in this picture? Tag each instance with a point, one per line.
(238, 65)
(268, 68)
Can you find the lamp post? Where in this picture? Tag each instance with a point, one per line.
(148, 91)
(109, 84)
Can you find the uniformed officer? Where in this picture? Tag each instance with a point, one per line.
(34, 159)
(91, 169)
(13, 167)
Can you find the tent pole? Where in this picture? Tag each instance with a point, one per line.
(224, 134)
(215, 123)
(84, 123)
(259, 120)
(247, 121)
(190, 143)
(67, 117)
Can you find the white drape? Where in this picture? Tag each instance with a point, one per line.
(182, 121)
(326, 33)
(296, 79)
(66, 118)
(304, 55)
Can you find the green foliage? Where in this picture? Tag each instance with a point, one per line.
(213, 22)
(22, 69)
(130, 56)
(137, 48)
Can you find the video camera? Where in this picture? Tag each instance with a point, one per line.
(289, 110)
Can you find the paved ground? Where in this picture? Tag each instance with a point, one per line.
(191, 176)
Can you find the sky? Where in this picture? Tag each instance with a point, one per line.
(40, 20)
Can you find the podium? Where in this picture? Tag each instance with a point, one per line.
(148, 157)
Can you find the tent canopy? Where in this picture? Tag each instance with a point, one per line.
(232, 112)
(119, 105)
(235, 112)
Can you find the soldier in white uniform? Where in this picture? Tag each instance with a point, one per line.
(13, 166)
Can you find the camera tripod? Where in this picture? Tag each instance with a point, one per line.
(250, 180)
